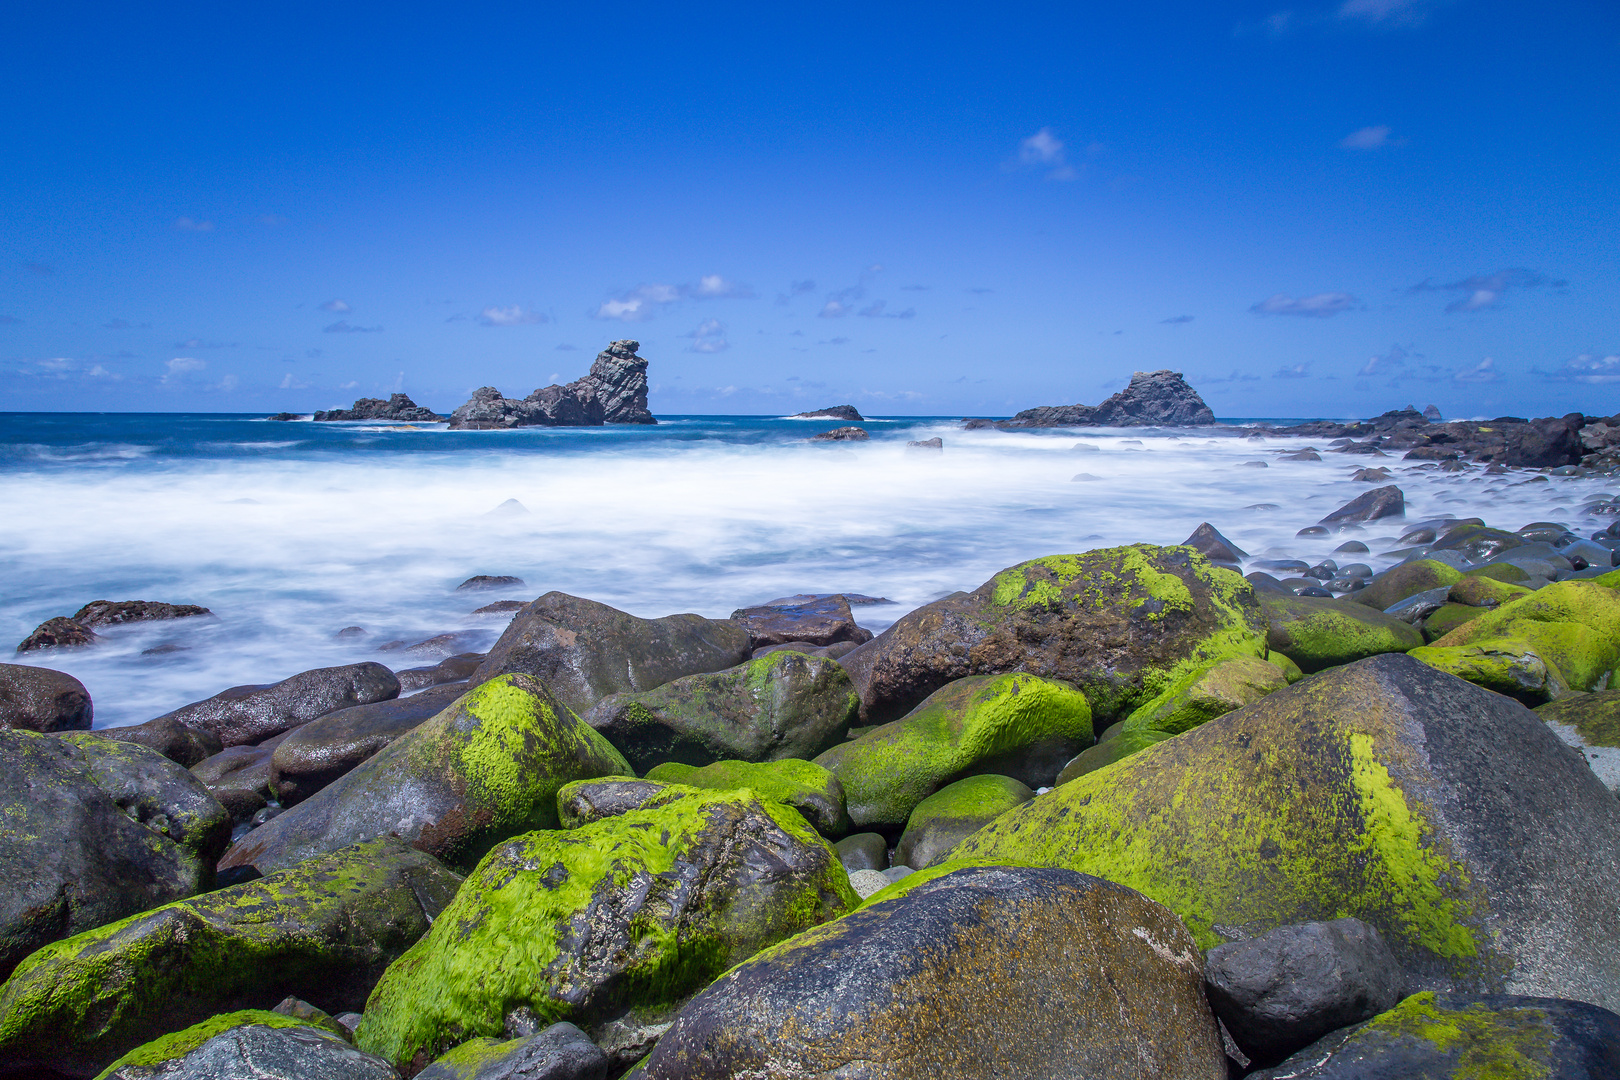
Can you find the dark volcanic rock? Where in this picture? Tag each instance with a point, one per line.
(615, 392)
(39, 699)
(239, 777)
(835, 412)
(397, 407)
(458, 668)
(1215, 547)
(251, 714)
(985, 972)
(1282, 991)
(58, 633)
(560, 1052)
(112, 612)
(255, 1044)
(1546, 443)
(91, 831)
(1152, 398)
(1378, 503)
(824, 620)
(490, 581)
(843, 434)
(169, 737)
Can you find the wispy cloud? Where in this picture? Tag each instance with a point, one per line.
(875, 310)
(713, 286)
(1386, 13)
(642, 302)
(290, 383)
(1320, 306)
(709, 337)
(1367, 138)
(1296, 371)
(1484, 371)
(1044, 150)
(516, 315)
(185, 224)
(199, 343)
(180, 367)
(1178, 320)
(1588, 368)
(341, 307)
(1381, 365)
(1484, 291)
(343, 326)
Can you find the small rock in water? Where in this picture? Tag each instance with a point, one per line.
(509, 508)
(1379, 503)
(1372, 476)
(1083, 478)
(58, 633)
(1313, 530)
(1207, 539)
(500, 607)
(833, 412)
(165, 649)
(489, 581)
(1301, 455)
(1354, 546)
(1085, 448)
(113, 612)
(350, 632)
(1254, 465)
(1262, 506)
(936, 443)
(843, 434)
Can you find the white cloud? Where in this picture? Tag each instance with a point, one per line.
(715, 287)
(515, 315)
(1043, 150)
(182, 365)
(1319, 306)
(1297, 371)
(351, 384)
(1484, 371)
(709, 337)
(339, 306)
(100, 372)
(343, 326)
(228, 383)
(1483, 291)
(185, 224)
(290, 383)
(1587, 368)
(1367, 138)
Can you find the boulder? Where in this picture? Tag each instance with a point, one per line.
(833, 412)
(1020, 726)
(397, 407)
(456, 668)
(1116, 744)
(324, 930)
(1408, 579)
(635, 911)
(823, 620)
(313, 755)
(485, 768)
(864, 851)
(58, 633)
(1282, 991)
(1370, 506)
(842, 434)
(250, 1043)
(984, 972)
(803, 785)
(953, 813)
(782, 705)
(1438, 812)
(93, 830)
(582, 802)
(1591, 724)
(1546, 443)
(1562, 638)
(1476, 591)
(39, 699)
(1120, 624)
(1433, 1036)
(181, 744)
(615, 392)
(251, 714)
(490, 581)
(1201, 696)
(114, 612)
(1476, 542)
(1316, 633)
(1152, 398)
(560, 1052)
(239, 777)
(1208, 542)
(583, 651)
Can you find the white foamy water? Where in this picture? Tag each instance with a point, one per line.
(289, 533)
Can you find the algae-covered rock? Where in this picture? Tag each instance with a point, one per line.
(560, 1052)
(1500, 571)
(1116, 744)
(635, 910)
(585, 651)
(953, 813)
(1538, 647)
(324, 930)
(782, 705)
(250, 1043)
(1591, 724)
(486, 768)
(803, 785)
(985, 972)
(1446, 618)
(1376, 790)
(1201, 696)
(1291, 671)
(1015, 725)
(1319, 633)
(1479, 591)
(1461, 1037)
(1408, 579)
(92, 830)
(1120, 624)
(584, 801)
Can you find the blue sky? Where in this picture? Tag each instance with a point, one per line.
(1309, 208)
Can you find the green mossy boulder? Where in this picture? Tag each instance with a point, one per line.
(1485, 592)
(484, 769)
(324, 930)
(1119, 624)
(782, 705)
(1318, 633)
(1374, 790)
(1291, 671)
(952, 814)
(560, 1052)
(1408, 579)
(1561, 638)
(149, 1056)
(1591, 724)
(584, 801)
(803, 785)
(1015, 725)
(248, 1045)
(1502, 571)
(634, 911)
(1446, 618)
(1201, 696)
(1116, 744)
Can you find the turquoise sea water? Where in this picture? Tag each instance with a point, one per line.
(292, 531)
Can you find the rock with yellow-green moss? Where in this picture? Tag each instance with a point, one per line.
(1446, 618)
(1564, 637)
(1479, 591)
(1408, 579)
(631, 912)
(981, 972)
(1120, 624)
(782, 705)
(249, 1043)
(1318, 633)
(1591, 724)
(803, 785)
(1116, 744)
(560, 1052)
(1291, 671)
(1433, 1036)
(1020, 726)
(953, 813)
(486, 768)
(324, 931)
(1376, 790)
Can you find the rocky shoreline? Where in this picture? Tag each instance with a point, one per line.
(1135, 811)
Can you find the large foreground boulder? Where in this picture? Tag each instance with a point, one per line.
(250, 1043)
(1442, 814)
(782, 705)
(39, 699)
(985, 972)
(93, 830)
(486, 768)
(324, 930)
(1120, 624)
(251, 714)
(634, 911)
(585, 651)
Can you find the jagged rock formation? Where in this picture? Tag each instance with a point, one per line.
(397, 407)
(615, 392)
(833, 412)
(1154, 397)
(1548, 442)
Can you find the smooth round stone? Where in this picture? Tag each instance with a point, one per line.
(863, 851)
(1357, 570)
(867, 882)
(1346, 584)
(1353, 547)
(1315, 590)
(1313, 530)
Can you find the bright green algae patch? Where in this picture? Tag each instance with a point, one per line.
(1318, 633)
(639, 909)
(1408, 579)
(1485, 592)
(1201, 696)
(980, 724)
(803, 785)
(181, 1043)
(1483, 1043)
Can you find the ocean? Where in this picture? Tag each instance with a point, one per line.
(292, 531)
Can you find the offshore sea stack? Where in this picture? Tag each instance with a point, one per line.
(1153, 398)
(397, 407)
(615, 392)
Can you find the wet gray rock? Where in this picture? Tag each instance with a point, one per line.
(560, 1052)
(823, 620)
(58, 633)
(934, 445)
(1153, 397)
(251, 714)
(115, 612)
(397, 407)
(1546, 443)
(1378, 503)
(266, 1053)
(843, 434)
(1217, 548)
(457, 668)
(181, 744)
(239, 777)
(1282, 991)
(863, 851)
(39, 699)
(615, 392)
(490, 581)
(586, 801)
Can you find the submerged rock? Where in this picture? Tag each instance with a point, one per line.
(397, 407)
(114, 613)
(39, 699)
(250, 1043)
(615, 392)
(251, 714)
(58, 633)
(1153, 397)
(1376, 504)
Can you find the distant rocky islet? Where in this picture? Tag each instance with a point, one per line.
(1117, 813)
